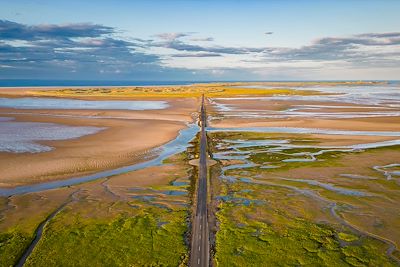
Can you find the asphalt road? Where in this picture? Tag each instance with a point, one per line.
(199, 255)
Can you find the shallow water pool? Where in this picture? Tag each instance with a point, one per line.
(23, 137)
(58, 103)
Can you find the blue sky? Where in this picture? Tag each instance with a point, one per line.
(200, 40)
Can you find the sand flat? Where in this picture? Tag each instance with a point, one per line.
(129, 137)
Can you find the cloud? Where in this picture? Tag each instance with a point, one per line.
(15, 31)
(172, 35)
(179, 45)
(82, 49)
(91, 51)
(196, 55)
(268, 33)
(357, 49)
(205, 39)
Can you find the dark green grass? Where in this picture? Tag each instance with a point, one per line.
(12, 245)
(154, 237)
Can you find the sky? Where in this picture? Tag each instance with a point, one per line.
(200, 40)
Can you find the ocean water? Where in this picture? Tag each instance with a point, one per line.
(54, 83)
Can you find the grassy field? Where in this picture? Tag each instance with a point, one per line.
(152, 237)
(194, 90)
(136, 226)
(246, 237)
(210, 90)
(20, 217)
(12, 245)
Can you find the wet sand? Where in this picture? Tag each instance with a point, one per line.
(359, 124)
(262, 112)
(129, 137)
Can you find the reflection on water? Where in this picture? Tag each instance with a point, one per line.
(61, 103)
(22, 137)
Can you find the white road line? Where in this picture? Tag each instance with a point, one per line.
(199, 236)
(200, 226)
(199, 248)
(198, 261)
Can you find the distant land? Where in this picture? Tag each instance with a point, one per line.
(51, 83)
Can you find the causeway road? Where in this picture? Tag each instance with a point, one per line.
(199, 255)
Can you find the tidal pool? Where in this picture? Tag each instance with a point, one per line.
(23, 137)
(60, 103)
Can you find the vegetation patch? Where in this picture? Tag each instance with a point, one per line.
(12, 246)
(248, 242)
(196, 90)
(153, 237)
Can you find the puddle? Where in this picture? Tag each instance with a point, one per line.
(62, 103)
(174, 193)
(179, 183)
(22, 137)
(269, 167)
(312, 158)
(246, 180)
(246, 191)
(239, 200)
(239, 166)
(357, 176)
(145, 198)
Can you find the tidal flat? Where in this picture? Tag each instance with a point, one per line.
(302, 177)
(293, 198)
(307, 180)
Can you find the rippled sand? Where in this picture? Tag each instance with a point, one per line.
(127, 137)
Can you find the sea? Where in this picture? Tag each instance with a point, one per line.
(56, 83)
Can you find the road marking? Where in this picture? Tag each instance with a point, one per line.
(199, 248)
(199, 236)
(200, 226)
(198, 261)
